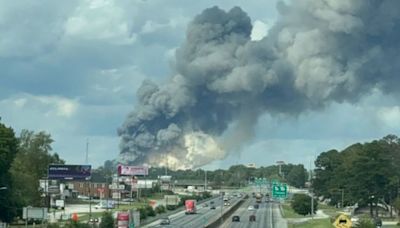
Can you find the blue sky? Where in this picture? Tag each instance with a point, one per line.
(72, 69)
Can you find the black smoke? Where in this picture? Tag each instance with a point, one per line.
(318, 52)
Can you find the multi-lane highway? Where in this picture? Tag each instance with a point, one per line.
(267, 216)
(203, 216)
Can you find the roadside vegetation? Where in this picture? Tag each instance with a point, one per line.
(364, 173)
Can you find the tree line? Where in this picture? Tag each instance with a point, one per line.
(23, 162)
(364, 173)
(238, 175)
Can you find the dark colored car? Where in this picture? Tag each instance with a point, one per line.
(378, 222)
(212, 207)
(235, 218)
(256, 206)
(252, 218)
(165, 221)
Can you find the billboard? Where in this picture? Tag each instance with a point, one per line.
(69, 172)
(124, 170)
(171, 200)
(34, 213)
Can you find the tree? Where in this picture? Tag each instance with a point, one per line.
(107, 220)
(30, 165)
(8, 151)
(396, 205)
(297, 176)
(301, 204)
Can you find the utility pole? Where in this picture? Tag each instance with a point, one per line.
(87, 152)
(311, 193)
(342, 198)
(205, 180)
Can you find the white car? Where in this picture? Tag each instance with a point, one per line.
(83, 197)
(103, 205)
(251, 208)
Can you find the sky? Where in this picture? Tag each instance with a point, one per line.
(72, 68)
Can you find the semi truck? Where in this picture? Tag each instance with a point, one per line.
(190, 207)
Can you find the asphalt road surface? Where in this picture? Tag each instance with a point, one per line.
(203, 216)
(267, 216)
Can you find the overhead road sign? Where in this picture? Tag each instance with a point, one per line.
(69, 172)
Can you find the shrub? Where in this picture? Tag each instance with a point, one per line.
(301, 204)
(171, 207)
(150, 211)
(143, 213)
(365, 223)
(74, 224)
(107, 220)
(160, 209)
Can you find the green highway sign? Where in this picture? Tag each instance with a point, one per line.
(279, 190)
(260, 181)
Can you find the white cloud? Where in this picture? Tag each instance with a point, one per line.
(100, 20)
(390, 116)
(51, 105)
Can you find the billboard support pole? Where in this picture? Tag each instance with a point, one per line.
(90, 200)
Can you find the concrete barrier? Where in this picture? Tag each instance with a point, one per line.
(217, 222)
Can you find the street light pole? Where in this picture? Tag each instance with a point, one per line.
(342, 198)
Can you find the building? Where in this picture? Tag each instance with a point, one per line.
(94, 189)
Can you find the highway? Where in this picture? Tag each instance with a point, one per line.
(267, 216)
(203, 216)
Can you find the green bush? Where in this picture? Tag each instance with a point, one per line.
(74, 224)
(150, 211)
(171, 207)
(107, 220)
(160, 209)
(365, 223)
(301, 204)
(143, 213)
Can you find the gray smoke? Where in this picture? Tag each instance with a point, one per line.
(318, 52)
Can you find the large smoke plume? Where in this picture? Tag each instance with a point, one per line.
(318, 52)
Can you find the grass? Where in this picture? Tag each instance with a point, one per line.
(316, 223)
(288, 212)
(329, 210)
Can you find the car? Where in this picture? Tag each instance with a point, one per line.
(165, 221)
(250, 208)
(378, 222)
(212, 207)
(256, 206)
(212, 202)
(104, 205)
(205, 205)
(236, 218)
(252, 218)
(227, 204)
(83, 197)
